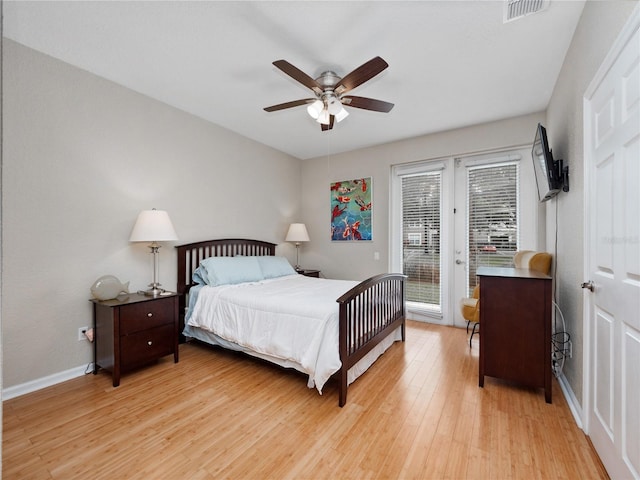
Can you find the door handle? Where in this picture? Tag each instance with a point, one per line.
(459, 262)
(588, 284)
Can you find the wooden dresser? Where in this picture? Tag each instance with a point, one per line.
(515, 326)
(133, 331)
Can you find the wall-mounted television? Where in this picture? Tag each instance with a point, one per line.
(551, 176)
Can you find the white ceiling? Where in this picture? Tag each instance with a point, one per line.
(451, 63)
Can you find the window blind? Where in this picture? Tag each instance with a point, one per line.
(492, 221)
(421, 213)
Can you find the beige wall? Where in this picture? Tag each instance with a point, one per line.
(599, 25)
(81, 158)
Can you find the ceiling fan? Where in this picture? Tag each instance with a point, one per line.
(327, 106)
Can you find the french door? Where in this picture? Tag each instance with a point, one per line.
(450, 216)
(421, 232)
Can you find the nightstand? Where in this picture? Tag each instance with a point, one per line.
(309, 273)
(132, 331)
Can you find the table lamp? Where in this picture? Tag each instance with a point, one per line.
(153, 226)
(297, 233)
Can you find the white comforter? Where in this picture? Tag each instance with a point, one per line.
(293, 318)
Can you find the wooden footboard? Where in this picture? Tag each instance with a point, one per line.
(369, 312)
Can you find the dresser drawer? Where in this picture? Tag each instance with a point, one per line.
(144, 315)
(146, 346)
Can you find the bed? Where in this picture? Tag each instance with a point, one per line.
(368, 318)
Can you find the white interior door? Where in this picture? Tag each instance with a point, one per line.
(612, 224)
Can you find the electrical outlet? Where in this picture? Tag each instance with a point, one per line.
(81, 333)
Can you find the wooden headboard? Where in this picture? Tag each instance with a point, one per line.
(190, 255)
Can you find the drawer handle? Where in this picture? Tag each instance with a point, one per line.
(149, 343)
(149, 314)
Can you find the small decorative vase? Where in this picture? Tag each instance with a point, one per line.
(108, 287)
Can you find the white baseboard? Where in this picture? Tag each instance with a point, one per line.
(572, 401)
(44, 382)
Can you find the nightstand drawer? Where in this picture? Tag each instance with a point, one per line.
(146, 346)
(144, 315)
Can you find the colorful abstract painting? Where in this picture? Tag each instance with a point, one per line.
(351, 210)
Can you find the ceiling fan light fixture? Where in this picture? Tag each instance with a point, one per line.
(334, 105)
(326, 105)
(341, 115)
(315, 109)
(323, 118)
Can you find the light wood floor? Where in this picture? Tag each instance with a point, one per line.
(417, 413)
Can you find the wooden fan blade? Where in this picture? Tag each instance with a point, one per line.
(367, 103)
(360, 75)
(298, 75)
(295, 103)
(324, 127)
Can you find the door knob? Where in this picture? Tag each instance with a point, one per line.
(459, 262)
(588, 284)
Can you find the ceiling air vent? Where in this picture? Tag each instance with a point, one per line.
(514, 9)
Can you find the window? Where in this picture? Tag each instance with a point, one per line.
(414, 239)
(492, 222)
(421, 211)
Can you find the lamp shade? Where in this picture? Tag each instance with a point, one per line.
(153, 226)
(324, 117)
(333, 105)
(341, 115)
(297, 233)
(315, 108)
